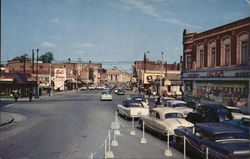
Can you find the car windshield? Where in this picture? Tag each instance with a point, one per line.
(224, 114)
(180, 105)
(173, 115)
(224, 136)
(106, 92)
(135, 105)
(235, 110)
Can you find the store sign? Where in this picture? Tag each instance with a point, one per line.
(148, 78)
(60, 74)
(193, 75)
(215, 74)
(242, 74)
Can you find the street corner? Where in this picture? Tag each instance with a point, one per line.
(5, 118)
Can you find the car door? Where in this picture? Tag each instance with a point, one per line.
(149, 120)
(121, 108)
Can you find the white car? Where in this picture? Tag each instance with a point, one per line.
(131, 108)
(105, 95)
(237, 114)
(164, 120)
(178, 105)
(139, 97)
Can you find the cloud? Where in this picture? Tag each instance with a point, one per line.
(82, 45)
(151, 11)
(47, 45)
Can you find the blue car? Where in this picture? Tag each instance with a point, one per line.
(243, 123)
(222, 140)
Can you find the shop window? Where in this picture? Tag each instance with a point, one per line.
(243, 56)
(226, 52)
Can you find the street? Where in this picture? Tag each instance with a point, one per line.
(72, 125)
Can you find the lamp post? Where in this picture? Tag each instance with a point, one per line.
(37, 82)
(145, 65)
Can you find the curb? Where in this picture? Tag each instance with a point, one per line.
(8, 121)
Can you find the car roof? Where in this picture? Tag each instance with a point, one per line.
(165, 110)
(214, 128)
(213, 106)
(176, 101)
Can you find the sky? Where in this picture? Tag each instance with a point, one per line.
(109, 31)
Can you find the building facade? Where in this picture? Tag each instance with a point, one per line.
(115, 75)
(216, 64)
(158, 76)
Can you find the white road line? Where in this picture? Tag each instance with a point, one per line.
(9, 105)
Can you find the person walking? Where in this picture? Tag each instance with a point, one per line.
(15, 96)
(30, 96)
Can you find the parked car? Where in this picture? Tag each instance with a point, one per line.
(243, 123)
(236, 112)
(83, 88)
(117, 89)
(92, 87)
(209, 113)
(131, 108)
(223, 141)
(139, 97)
(105, 95)
(120, 92)
(178, 105)
(164, 120)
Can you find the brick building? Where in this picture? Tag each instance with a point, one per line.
(158, 76)
(115, 75)
(76, 73)
(216, 64)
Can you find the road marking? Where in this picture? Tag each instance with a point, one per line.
(9, 105)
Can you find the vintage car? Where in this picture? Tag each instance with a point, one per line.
(164, 120)
(236, 112)
(131, 108)
(178, 105)
(209, 113)
(120, 92)
(139, 97)
(223, 141)
(105, 95)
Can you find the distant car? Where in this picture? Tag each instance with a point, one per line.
(131, 108)
(92, 87)
(139, 97)
(178, 105)
(236, 112)
(120, 92)
(223, 141)
(210, 113)
(105, 95)
(164, 120)
(83, 88)
(117, 89)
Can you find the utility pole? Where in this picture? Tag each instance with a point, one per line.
(37, 82)
(33, 58)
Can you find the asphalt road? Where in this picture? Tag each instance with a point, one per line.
(71, 125)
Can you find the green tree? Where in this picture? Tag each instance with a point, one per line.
(47, 57)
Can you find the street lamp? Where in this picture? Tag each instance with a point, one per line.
(37, 87)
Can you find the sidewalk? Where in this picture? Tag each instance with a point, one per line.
(5, 118)
(25, 98)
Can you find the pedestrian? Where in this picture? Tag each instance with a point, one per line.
(15, 96)
(149, 92)
(30, 96)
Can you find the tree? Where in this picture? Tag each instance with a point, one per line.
(47, 57)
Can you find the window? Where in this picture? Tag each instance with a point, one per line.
(226, 52)
(189, 61)
(200, 56)
(243, 54)
(173, 115)
(212, 54)
(157, 116)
